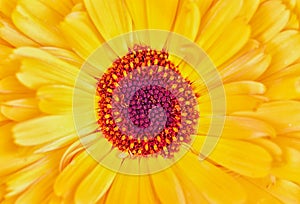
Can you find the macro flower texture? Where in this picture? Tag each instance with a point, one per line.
(149, 101)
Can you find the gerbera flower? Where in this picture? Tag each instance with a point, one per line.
(149, 101)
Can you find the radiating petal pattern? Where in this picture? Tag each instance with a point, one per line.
(78, 111)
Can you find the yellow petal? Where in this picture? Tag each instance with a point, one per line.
(12, 89)
(286, 191)
(45, 68)
(233, 38)
(2, 117)
(293, 22)
(208, 179)
(112, 19)
(61, 7)
(22, 179)
(297, 7)
(10, 200)
(239, 156)
(66, 55)
(40, 9)
(289, 170)
(38, 192)
(55, 99)
(69, 179)
(284, 89)
(246, 128)
(166, 183)
(293, 134)
(290, 71)
(2, 192)
(217, 18)
(287, 141)
(16, 163)
(158, 16)
(256, 193)
(29, 16)
(72, 151)
(191, 191)
(33, 81)
(244, 87)
(291, 4)
(248, 9)
(137, 12)
(15, 96)
(7, 6)
(13, 157)
(204, 6)
(283, 115)
(243, 102)
(4, 43)
(5, 51)
(270, 18)
(188, 20)
(80, 33)
(146, 192)
(127, 186)
(248, 66)
(56, 144)
(8, 148)
(242, 95)
(8, 66)
(54, 199)
(9, 33)
(287, 40)
(19, 110)
(43, 129)
(97, 183)
(270, 146)
(10, 84)
(105, 154)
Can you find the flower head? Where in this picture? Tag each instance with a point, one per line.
(173, 101)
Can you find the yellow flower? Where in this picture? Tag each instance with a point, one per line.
(54, 145)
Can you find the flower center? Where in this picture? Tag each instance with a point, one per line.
(144, 101)
(146, 107)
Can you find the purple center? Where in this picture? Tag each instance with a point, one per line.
(153, 102)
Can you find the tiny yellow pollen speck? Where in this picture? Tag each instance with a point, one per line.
(131, 65)
(174, 86)
(158, 138)
(188, 122)
(118, 120)
(116, 98)
(175, 129)
(114, 76)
